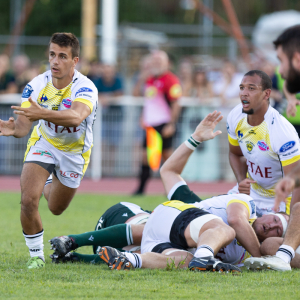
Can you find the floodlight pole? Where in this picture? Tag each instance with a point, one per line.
(109, 31)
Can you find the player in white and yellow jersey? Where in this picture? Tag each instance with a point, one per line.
(64, 102)
(267, 140)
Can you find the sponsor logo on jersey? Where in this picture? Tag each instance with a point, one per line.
(240, 134)
(262, 145)
(251, 131)
(43, 98)
(125, 215)
(289, 153)
(42, 153)
(253, 207)
(55, 106)
(227, 128)
(83, 90)
(27, 91)
(68, 174)
(249, 146)
(287, 146)
(67, 103)
(44, 105)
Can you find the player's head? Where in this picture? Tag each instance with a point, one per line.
(271, 225)
(288, 52)
(159, 63)
(255, 90)
(63, 54)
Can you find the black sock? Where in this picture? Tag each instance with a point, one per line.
(144, 176)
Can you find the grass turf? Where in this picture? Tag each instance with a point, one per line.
(89, 281)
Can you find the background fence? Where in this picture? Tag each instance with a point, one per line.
(118, 141)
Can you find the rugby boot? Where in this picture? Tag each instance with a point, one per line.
(69, 257)
(35, 263)
(62, 245)
(267, 263)
(211, 264)
(114, 258)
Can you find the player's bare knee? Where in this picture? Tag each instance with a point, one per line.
(29, 204)
(56, 210)
(270, 246)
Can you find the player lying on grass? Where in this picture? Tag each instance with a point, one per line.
(231, 204)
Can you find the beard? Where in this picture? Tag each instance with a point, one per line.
(248, 112)
(293, 80)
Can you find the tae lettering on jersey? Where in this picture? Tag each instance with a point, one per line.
(263, 172)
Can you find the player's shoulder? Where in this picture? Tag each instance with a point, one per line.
(236, 114)
(82, 84)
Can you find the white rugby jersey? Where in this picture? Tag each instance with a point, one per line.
(232, 253)
(267, 147)
(75, 140)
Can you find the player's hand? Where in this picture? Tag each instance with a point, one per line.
(168, 130)
(205, 130)
(245, 185)
(32, 113)
(291, 109)
(7, 128)
(283, 189)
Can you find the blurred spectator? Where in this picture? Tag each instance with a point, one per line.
(202, 88)
(95, 70)
(161, 109)
(227, 88)
(20, 66)
(7, 80)
(185, 74)
(110, 85)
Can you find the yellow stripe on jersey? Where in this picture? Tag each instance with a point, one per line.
(26, 104)
(86, 156)
(32, 140)
(288, 205)
(84, 101)
(233, 141)
(240, 201)
(290, 161)
(178, 205)
(251, 221)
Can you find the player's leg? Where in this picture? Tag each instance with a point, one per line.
(33, 179)
(286, 252)
(59, 196)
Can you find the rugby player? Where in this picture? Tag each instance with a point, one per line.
(270, 144)
(234, 210)
(64, 102)
(288, 52)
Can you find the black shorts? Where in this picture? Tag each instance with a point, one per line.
(167, 142)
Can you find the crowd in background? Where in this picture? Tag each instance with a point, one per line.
(201, 81)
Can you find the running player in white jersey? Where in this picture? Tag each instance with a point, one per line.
(267, 140)
(64, 102)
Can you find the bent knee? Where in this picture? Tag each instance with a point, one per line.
(56, 210)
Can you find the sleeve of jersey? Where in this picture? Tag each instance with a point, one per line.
(86, 95)
(231, 131)
(174, 88)
(286, 143)
(29, 90)
(180, 191)
(249, 204)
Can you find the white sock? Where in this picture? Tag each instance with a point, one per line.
(134, 258)
(49, 180)
(204, 251)
(286, 253)
(35, 244)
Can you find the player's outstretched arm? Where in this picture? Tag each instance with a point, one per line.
(173, 167)
(17, 128)
(238, 219)
(72, 117)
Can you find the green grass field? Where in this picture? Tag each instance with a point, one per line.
(90, 281)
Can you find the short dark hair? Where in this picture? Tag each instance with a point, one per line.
(289, 40)
(266, 81)
(66, 39)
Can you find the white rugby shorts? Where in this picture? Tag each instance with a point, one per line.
(68, 168)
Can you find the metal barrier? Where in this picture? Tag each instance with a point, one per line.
(118, 141)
